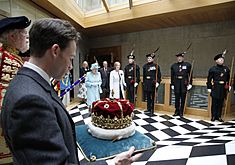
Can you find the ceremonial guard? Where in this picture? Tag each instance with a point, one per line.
(105, 73)
(181, 81)
(150, 70)
(13, 37)
(218, 86)
(132, 77)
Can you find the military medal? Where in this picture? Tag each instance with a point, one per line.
(180, 69)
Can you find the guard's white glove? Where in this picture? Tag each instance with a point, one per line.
(101, 91)
(125, 158)
(209, 90)
(135, 85)
(172, 87)
(229, 88)
(157, 84)
(189, 87)
(234, 92)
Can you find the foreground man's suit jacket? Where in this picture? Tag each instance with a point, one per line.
(36, 125)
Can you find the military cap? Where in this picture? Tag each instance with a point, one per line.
(218, 56)
(9, 23)
(151, 55)
(180, 54)
(131, 56)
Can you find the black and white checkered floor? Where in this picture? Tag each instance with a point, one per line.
(180, 141)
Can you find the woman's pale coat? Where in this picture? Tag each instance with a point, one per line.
(93, 85)
(116, 81)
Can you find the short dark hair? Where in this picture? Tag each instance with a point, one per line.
(46, 32)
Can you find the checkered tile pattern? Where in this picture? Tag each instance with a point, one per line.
(180, 141)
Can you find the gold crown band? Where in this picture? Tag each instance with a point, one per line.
(108, 123)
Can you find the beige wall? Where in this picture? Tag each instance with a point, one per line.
(23, 7)
(207, 41)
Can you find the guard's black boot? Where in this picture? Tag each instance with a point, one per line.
(213, 119)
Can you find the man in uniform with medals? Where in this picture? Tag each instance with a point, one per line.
(132, 77)
(151, 81)
(217, 86)
(180, 83)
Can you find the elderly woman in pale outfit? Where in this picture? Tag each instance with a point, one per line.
(117, 82)
(93, 84)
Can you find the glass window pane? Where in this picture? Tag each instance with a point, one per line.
(197, 97)
(160, 94)
(88, 5)
(116, 2)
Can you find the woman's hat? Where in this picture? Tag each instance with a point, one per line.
(95, 66)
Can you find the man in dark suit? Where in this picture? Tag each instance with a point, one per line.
(36, 125)
(105, 72)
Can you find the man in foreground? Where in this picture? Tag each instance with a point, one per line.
(36, 125)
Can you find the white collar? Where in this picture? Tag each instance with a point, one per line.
(37, 69)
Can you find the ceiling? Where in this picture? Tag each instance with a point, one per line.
(187, 17)
(205, 14)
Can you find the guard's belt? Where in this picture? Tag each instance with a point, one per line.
(179, 77)
(129, 77)
(220, 82)
(148, 77)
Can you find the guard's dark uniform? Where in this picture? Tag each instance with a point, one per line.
(180, 73)
(132, 76)
(149, 80)
(217, 81)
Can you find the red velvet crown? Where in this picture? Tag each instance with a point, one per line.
(111, 108)
(112, 114)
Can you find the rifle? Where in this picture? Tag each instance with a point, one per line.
(189, 77)
(155, 96)
(229, 84)
(134, 70)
